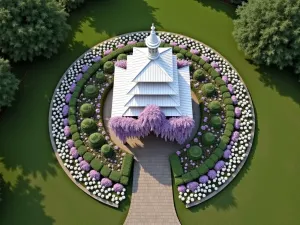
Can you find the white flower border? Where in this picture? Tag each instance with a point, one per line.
(106, 195)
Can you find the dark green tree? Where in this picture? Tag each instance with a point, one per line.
(268, 31)
(71, 4)
(31, 28)
(8, 84)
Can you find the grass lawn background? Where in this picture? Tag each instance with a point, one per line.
(36, 190)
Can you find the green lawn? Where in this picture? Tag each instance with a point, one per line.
(36, 190)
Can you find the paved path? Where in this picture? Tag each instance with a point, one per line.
(152, 195)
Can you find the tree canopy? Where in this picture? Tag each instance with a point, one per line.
(8, 84)
(31, 28)
(268, 31)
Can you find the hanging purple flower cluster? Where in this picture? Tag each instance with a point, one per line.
(152, 119)
(194, 51)
(121, 63)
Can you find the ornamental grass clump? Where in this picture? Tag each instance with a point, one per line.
(87, 110)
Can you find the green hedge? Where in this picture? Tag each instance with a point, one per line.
(194, 173)
(72, 111)
(124, 180)
(178, 181)
(206, 66)
(202, 169)
(223, 89)
(222, 145)
(218, 152)
(81, 150)
(201, 61)
(189, 54)
(209, 163)
(72, 120)
(78, 143)
(175, 165)
(176, 49)
(105, 171)
(115, 176)
(214, 158)
(187, 177)
(226, 95)
(195, 58)
(229, 114)
(96, 164)
(229, 127)
(219, 81)
(88, 156)
(75, 136)
(73, 129)
(127, 165)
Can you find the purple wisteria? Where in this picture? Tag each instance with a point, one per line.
(152, 119)
(181, 188)
(182, 63)
(121, 63)
(65, 110)
(84, 165)
(203, 179)
(85, 68)
(74, 152)
(108, 51)
(206, 59)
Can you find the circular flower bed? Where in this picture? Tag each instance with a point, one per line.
(77, 129)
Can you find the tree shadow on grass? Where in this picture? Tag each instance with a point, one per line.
(114, 17)
(22, 204)
(285, 82)
(225, 199)
(220, 6)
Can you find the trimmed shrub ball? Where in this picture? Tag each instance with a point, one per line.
(199, 75)
(100, 77)
(208, 139)
(96, 140)
(91, 91)
(108, 67)
(87, 110)
(194, 152)
(107, 151)
(216, 122)
(208, 89)
(179, 56)
(122, 57)
(214, 106)
(88, 126)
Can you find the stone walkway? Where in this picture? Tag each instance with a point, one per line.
(152, 195)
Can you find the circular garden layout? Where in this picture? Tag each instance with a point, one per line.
(201, 169)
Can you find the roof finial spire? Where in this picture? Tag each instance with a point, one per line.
(153, 42)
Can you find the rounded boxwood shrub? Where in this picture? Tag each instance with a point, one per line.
(100, 77)
(91, 91)
(107, 151)
(88, 126)
(108, 67)
(87, 110)
(179, 56)
(208, 139)
(216, 122)
(122, 57)
(194, 152)
(214, 106)
(96, 140)
(199, 75)
(208, 89)
(219, 81)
